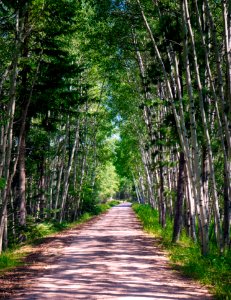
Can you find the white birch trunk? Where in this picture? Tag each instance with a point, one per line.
(205, 126)
(67, 174)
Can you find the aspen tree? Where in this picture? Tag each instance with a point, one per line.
(205, 126)
(226, 152)
(8, 130)
(61, 163)
(68, 171)
(183, 138)
(147, 117)
(178, 216)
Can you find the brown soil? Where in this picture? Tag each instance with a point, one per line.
(107, 258)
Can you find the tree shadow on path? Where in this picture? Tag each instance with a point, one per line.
(110, 259)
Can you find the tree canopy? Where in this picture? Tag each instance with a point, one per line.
(155, 74)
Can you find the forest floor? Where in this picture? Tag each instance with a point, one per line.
(109, 257)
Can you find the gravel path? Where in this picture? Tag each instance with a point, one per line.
(110, 259)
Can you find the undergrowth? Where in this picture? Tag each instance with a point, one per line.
(10, 259)
(212, 270)
(36, 232)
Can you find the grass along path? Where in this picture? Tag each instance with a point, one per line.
(213, 270)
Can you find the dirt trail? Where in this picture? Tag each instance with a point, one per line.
(110, 259)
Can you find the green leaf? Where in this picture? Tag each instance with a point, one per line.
(2, 183)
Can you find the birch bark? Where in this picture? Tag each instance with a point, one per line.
(178, 216)
(67, 173)
(205, 126)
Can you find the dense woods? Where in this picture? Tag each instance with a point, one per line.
(139, 87)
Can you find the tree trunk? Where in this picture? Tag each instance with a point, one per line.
(162, 212)
(227, 41)
(227, 212)
(68, 171)
(22, 187)
(42, 188)
(179, 201)
(205, 127)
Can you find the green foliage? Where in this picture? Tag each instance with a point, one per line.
(37, 231)
(105, 206)
(212, 270)
(2, 183)
(113, 203)
(10, 259)
(93, 208)
(90, 206)
(108, 181)
(127, 152)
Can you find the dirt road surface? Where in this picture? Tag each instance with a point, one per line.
(110, 259)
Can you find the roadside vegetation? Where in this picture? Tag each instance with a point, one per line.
(212, 270)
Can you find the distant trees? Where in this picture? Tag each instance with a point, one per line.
(109, 182)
